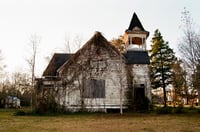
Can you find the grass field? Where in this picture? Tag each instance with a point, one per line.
(99, 122)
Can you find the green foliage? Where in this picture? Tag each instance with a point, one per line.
(20, 113)
(179, 109)
(162, 58)
(164, 110)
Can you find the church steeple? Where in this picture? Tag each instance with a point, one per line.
(135, 22)
(135, 36)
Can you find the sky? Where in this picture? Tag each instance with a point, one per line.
(56, 20)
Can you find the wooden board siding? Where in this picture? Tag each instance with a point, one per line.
(105, 71)
(97, 77)
(140, 73)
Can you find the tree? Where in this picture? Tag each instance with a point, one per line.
(67, 47)
(2, 66)
(33, 43)
(162, 58)
(76, 42)
(118, 43)
(179, 80)
(190, 41)
(189, 46)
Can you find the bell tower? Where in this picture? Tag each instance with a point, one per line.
(138, 61)
(135, 36)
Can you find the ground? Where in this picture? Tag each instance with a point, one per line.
(99, 122)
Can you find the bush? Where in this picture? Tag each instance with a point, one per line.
(198, 111)
(179, 109)
(20, 113)
(164, 110)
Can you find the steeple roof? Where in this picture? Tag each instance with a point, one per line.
(135, 22)
(136, 26)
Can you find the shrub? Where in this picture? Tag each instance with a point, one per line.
(20, 113)
(164, 110)
(179, 109)
(198, 111)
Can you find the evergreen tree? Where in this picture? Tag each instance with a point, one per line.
(162, 58)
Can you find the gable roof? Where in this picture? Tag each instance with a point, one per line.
(137, 57)
(98, 40)
(55, 63)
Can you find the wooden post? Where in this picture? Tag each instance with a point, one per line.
(120, 77)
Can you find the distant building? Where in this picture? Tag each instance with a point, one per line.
(98, 77)
(10, 102)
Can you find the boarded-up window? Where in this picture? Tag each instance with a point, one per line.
(93, 88)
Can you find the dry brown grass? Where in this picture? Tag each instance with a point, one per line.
(100, 123)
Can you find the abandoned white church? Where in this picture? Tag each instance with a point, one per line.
(98, 77)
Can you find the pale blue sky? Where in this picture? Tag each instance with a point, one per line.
(54, 19)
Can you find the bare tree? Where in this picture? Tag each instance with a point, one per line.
(34, 40)
(190, 42)
(21, 81)
(67, 47)
(33, 43)
(2, 66)
(189, 47)
(78, 41)
(72, 44)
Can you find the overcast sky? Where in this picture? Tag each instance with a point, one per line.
(55, 19)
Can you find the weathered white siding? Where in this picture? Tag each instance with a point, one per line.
(106, 66)
(96, 78)
(140, 73)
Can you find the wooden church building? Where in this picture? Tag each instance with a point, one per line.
(98, 77)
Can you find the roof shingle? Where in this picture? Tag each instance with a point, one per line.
(137, 57)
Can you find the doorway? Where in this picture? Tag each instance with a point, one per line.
(139, 97)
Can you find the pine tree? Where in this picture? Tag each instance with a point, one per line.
(162, 58)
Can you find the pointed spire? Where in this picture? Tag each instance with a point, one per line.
(135, 22)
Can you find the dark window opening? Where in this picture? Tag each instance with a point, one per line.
(93, 88)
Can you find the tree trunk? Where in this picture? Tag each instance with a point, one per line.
(165, 97)
(198, 97)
